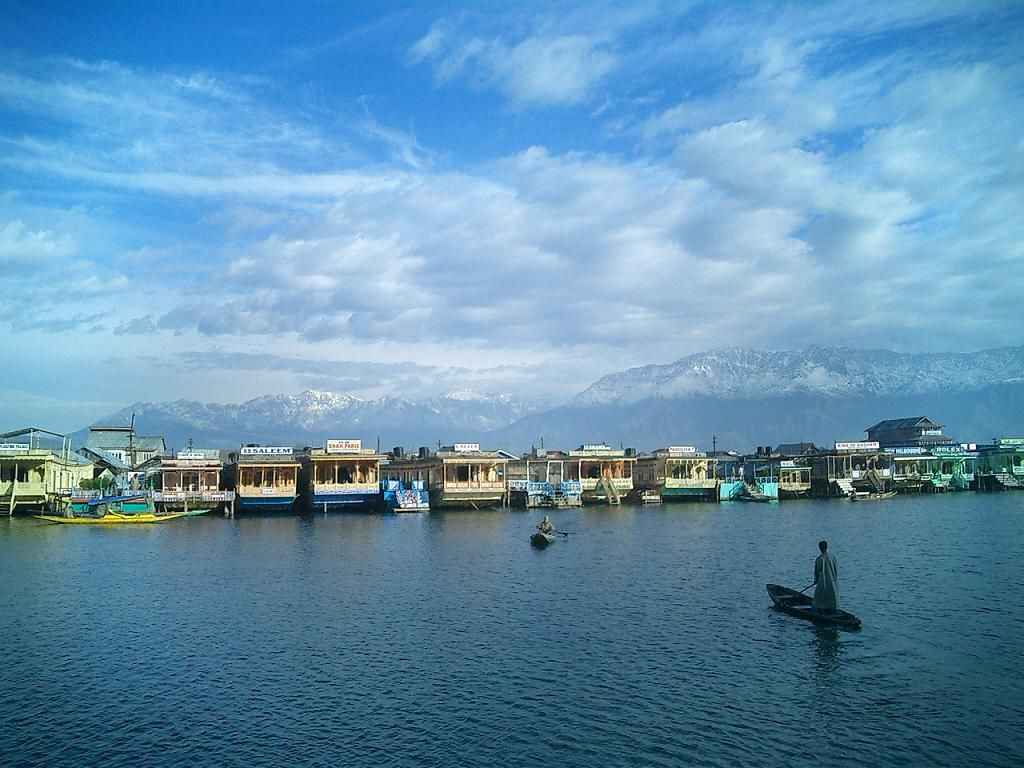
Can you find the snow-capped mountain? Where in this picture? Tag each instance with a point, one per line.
(312, 416)
(744, 397)
(835, 372)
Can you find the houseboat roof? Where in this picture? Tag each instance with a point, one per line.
(100, 456)
(363, 453)
(265, 454)
(796, 449)
(905, 423)
(117, 438)
(600, 450)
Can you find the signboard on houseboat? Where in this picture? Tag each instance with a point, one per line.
(193, 455)
(266, 450)
(681, 450)
(344, 446)
(1006, 442)
(909, 450)
(466, 448)
(858, 445)
(11, 447)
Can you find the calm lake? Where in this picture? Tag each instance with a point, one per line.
(643, 639)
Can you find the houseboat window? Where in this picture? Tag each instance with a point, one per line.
(22, 474)
(462, 473)
(6, 473)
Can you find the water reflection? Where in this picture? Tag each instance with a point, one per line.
(827, 649)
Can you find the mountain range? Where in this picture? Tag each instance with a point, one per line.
(736, 398)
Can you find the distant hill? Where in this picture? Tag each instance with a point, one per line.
(744, 397)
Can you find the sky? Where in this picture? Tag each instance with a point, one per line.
(218, 200)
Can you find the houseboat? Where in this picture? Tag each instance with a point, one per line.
(342, 475)
(265, 478)
(955, 466)
(912, 469)
(729, 475)
(794, 478)
(538, 479)
(36, 477)
(188, 482)
(677, 473)
(460, 475)
(605, 474)
(851, 467)
(760, 476)
(1000, 466)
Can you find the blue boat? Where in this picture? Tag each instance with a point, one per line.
(410, 496)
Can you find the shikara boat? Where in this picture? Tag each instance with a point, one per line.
(541, 540)
(111, 518)
(863, 496)
(798, 604)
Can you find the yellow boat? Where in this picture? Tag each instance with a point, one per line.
(111, 518)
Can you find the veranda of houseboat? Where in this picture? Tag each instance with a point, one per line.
(729, 475)
(189, 482)
(760, 473)
(266, 478)
(34, 477)
(794, 479)
(850, 468)
(604, 474)
(540, 480)
(342, 475)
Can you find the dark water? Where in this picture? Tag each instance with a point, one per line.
(645, 639)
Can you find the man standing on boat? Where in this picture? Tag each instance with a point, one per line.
(826, 581)
(545, 526)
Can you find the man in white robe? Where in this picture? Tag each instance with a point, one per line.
(826, 581)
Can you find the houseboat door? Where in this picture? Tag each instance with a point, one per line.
(555, 473)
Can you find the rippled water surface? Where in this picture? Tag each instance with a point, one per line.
(643, 639)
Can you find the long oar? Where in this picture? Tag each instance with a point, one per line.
(807, 587)
(564, 533)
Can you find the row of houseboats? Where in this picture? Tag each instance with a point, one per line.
(344, 475)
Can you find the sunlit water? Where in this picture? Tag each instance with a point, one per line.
(643, 639)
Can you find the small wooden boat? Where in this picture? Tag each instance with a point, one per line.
(755, 496)
(541, 540)
(650, 497)
(111, 518)
(871, 496)
(798, 604)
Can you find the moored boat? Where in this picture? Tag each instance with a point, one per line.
(111, 518)
(798, 604)
(866, 496)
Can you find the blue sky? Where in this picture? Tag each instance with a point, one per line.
(220, 200)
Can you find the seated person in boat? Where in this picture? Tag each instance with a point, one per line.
(826, 581)
(545, 526)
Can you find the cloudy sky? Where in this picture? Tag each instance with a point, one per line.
(237, 199)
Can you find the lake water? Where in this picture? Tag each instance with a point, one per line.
(644, 639)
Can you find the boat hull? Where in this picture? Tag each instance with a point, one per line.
(541, 540)
(265, 503)
(800, 605)
(368, 501)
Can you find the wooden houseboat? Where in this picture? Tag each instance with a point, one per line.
(852, 467)
(678, 473)
(605, 474)
(729, 475)
(538, 479)
(1000, 466)
(188, 482)
(954, 466)
(265, 478)
(342, 475)
(794, 478)
(760, 475)
(460, 475)
(912, 469)
(36, 477)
